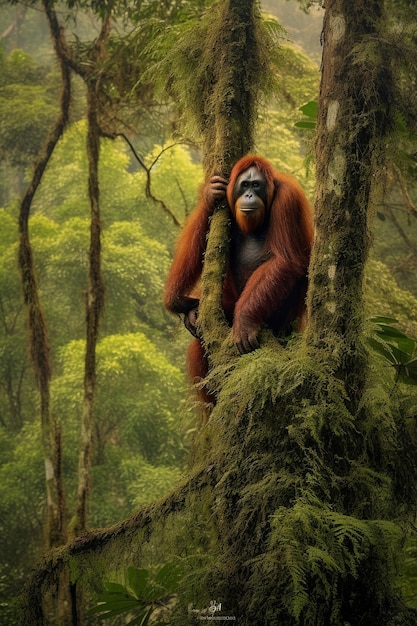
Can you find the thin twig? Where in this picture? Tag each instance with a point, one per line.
(148, 190)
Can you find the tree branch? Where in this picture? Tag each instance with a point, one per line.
(148, 190)
(404, 192)
(95, 542)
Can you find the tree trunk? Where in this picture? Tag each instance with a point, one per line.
(293, 435)
(55, 527)
(231, 84)
(95, 290)
(227, 122)
(94, 307)
(354, 118)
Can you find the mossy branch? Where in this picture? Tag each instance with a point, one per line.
(117, 542)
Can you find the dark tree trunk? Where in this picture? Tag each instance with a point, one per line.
(55, 528)
(94, 308)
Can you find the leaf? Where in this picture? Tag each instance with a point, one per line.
(407, 345)
(408, 372)
(115, 588)
(143, 618)
(139, 582)
(390, 331)
(382, 349)
(114, 601)
(169, 576)
(412, 366)
(396, 347)
(401, 357)
(382, 319)
(404, 343)
(143, 593)
(310, 109)
(309, 125)
(110, 608)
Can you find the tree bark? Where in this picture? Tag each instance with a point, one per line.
(229, 108)
(55, 532)
(354, 117)
(95, 292)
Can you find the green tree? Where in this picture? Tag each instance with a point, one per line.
(136, 439)
(103, 97)
(135, 423)
(14, 372)
(83, 60)
(27, 107)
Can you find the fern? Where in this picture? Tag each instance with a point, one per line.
(320, 547)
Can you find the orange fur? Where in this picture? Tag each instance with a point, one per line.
(274, 290)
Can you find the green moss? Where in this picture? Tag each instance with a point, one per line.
(308, 493)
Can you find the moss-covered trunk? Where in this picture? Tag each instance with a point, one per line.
(94, 308)
(94, 305)
(353, 121)
(307, 494)
(230, 89)
(94, 302)
(55, 524)
(227, 118)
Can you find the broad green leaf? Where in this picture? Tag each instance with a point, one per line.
(396, 347)
(390, 331)
(168, 576)
(407, 345)
(143, 618)
(115, 588)
(382, 319)
(390, 334)
(310, 109)
(400, 356)
(109, 609)
(309, 125)
(408, 372)
(139, 582)
(412, 366)
(382, 349)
